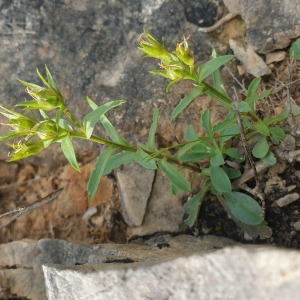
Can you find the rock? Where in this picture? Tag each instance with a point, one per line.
(271, 25)
(164, 210)
(231, 273)
(297, 225)
(135, 186)
(21, 261)
(287, 199)
(275, 56)
(91, 49)
(252, 62)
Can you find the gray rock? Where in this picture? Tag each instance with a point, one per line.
(91, 49)
(271, 25)
(21, 261)
(164, 210)
(135, 186)
(252, 62)
(232, 273)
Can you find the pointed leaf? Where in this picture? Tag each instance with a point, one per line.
(185, 102)
(98, 172)
(174, 176)
(255, 97)
(205, 119)
(253, 87)
(145, 160)
(90, 120)
(262, 128)
(191, 133)
(117, 160)
(217, 160)
(220, 180)
(112, 132)
(244, 208)
(211, 66)
(152, 131)
(69, 152)
(192, 207)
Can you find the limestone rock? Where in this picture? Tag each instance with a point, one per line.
(271, 25)
(252, 62)
(135, 186)
(21, 261)
(236, 273)
(164, 211)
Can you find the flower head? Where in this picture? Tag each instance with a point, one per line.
(152, 48)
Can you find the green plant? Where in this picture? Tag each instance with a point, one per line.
(46, 120)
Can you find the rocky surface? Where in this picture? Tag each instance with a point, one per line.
(21, 261)
(235, 273)
(266, 30)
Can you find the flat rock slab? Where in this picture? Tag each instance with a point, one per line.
(236, 273)
(21, 261)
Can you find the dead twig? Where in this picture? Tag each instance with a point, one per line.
(22, 210)
(218, 24)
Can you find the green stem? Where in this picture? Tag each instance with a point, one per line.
(129, 148)
(74, 120)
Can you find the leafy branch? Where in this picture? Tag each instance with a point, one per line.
(216, 157)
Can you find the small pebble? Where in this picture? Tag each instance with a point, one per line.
(297, 225)
(287, 199)
(241, 70)
(290, 188)
(275, 57)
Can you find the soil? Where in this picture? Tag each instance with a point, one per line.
(71, 217)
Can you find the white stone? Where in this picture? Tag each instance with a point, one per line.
(233, 273)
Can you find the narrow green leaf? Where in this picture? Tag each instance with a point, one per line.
(295, 50)
(152, 131)
(117, 160)
(65, 124)
(270, 159)
(206, 123)
(262, 128)
(209, 67)
(253, 87)
(244, 208)
(261, 148)
(110, 129)
(223, 125)
(69, 152)
(186, 148)
(195, 157)
(12, 135)
(218, 83)
(191, 134)
(145, 160)
(174, 176)
(185, 102)
(192, 207)
(51, 81)
(31, 85)
(243, 106)
(98, 172)
(220, 180)
(90, 120)
(44, 80)
(255, 98)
